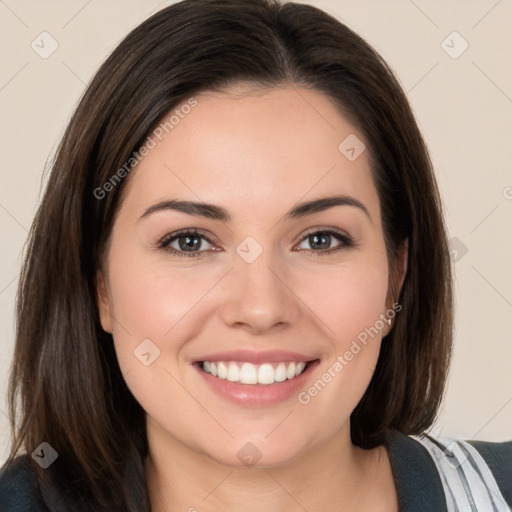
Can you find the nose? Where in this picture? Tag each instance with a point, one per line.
(259, 297)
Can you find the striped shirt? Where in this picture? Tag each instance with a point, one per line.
(451, 475)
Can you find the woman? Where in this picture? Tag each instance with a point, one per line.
(230, 298)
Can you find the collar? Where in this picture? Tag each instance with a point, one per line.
(417, 480)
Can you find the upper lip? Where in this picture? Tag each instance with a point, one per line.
(250, 356)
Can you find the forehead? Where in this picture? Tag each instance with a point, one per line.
(254, 148)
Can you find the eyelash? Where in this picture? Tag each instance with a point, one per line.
(340, 235)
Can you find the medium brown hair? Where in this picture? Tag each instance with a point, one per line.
(66, 387)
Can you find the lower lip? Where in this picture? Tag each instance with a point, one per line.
(258, 395)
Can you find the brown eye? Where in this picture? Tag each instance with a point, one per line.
(321, 241)
(185, 243)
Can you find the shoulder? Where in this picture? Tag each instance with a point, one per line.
(418, 484)
(19, 491)
(498, 457)
(451, 473)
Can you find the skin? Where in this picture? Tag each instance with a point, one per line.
(256, 154)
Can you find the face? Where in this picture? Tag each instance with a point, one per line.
(248, 325)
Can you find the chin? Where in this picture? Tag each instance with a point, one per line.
(254, 454)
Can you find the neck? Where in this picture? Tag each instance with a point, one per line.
(339, 476)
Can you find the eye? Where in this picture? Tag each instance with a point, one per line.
(321, 241)
(185, 243)
(190, 242)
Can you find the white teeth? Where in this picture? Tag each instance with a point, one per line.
(266, 374)
(249, 373)
(281, 372)
(233, 372)
(222, 371)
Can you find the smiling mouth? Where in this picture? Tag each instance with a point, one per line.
(248, 373)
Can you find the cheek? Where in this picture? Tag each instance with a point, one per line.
(349, 302)
(150, 298)
(347, 299)
(153, 302)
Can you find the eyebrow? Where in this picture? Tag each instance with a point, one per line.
(211, 211)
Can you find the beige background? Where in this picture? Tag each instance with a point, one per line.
(463, 105)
